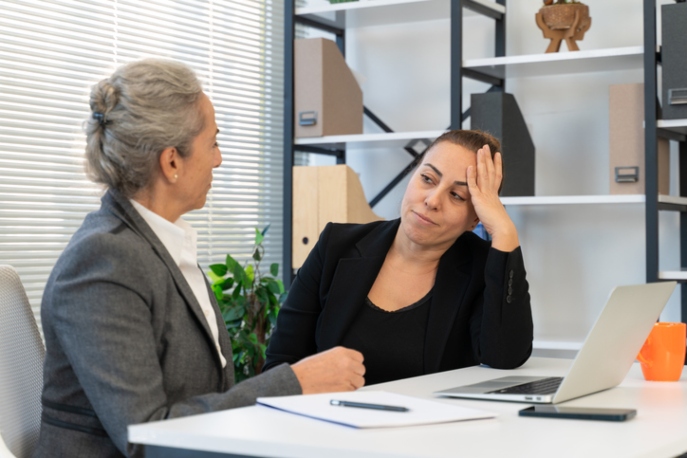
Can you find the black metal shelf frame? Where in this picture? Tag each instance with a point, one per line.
(337, 28)
(652, 111)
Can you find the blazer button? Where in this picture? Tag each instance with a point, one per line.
(510, 282)
(509, 299)
(510, 274)
(510, 291)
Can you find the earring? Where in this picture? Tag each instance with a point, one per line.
(175, 177)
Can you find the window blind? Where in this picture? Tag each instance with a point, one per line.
(52, 52)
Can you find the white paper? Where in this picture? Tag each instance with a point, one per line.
(421, 411)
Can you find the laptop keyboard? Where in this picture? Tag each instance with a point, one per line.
(543, 386)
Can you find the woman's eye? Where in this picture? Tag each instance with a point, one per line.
(425, 178)
(457, 196)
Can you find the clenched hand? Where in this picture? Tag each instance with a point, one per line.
(338, 369)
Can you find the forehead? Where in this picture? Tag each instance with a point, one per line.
(208, 112)
(449, 157)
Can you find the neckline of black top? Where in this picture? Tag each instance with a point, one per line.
(412, 306)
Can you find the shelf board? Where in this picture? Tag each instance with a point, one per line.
(560, 63)
(675, 125)
(584, 200)
(367, 13)
(590, 200)
(547, 344)
(679, 275)
(676, 200)
(379, 140)
(574, 200)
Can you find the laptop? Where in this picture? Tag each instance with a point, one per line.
(603, 361)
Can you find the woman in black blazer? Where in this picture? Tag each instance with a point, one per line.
(422, 293)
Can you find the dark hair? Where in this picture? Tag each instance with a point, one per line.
(137, 112)
(472, 140)
(469, 139)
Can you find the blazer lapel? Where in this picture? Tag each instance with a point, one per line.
(351, 282)
(449, 288)
(123, 209)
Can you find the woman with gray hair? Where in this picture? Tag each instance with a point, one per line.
(132, 330)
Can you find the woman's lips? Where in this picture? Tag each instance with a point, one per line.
(425, 219)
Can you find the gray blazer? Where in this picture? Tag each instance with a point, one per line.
(127, 341)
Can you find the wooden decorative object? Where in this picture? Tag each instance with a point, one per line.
(564, 21)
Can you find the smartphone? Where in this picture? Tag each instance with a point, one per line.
(578, 413)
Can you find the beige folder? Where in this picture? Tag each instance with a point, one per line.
(626, 139)
(321, 195)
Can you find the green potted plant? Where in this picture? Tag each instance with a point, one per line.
(249, 300)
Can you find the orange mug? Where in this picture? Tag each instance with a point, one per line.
(663, 355)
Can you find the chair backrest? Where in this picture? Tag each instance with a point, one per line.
(21, 368)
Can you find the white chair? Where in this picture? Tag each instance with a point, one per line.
(21, 369)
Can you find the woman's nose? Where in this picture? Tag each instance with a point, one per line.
(218, 158)
(432, 200)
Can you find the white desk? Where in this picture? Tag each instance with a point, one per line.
(659, 430)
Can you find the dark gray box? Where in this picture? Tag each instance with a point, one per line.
(498, 113)
(674, 60)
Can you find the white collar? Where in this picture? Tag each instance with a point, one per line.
(172, 235)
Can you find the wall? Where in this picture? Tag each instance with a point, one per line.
(575, 254)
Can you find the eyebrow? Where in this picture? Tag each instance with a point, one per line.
(436, 170)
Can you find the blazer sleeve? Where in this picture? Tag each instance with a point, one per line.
(502, 329)
(100, 311)
(294, 335)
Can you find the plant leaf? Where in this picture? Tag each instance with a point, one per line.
(234, 313)
(219, 269)
(256, 255)
(227, 283)
(249, 276)
(274, 269)
(214, 278)
(231, 264)
(259, 237)
(273, 286)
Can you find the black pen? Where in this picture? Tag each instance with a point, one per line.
(363, 405)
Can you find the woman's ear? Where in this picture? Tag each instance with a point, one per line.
(474, 224)
(169, 164)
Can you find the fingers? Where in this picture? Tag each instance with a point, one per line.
(472, 181)
(489, 170)
(489, 163)
(498, 165)
(482, 168)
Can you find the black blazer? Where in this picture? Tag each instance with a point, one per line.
(479, 312)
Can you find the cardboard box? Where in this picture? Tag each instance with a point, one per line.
(328, 99)
(626, 141)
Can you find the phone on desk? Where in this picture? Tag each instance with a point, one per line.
(578, 413)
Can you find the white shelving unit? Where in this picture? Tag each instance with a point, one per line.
(379, 12)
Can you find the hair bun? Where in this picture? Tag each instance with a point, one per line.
(104, 97)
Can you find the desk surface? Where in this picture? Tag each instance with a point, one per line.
(659, 430)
